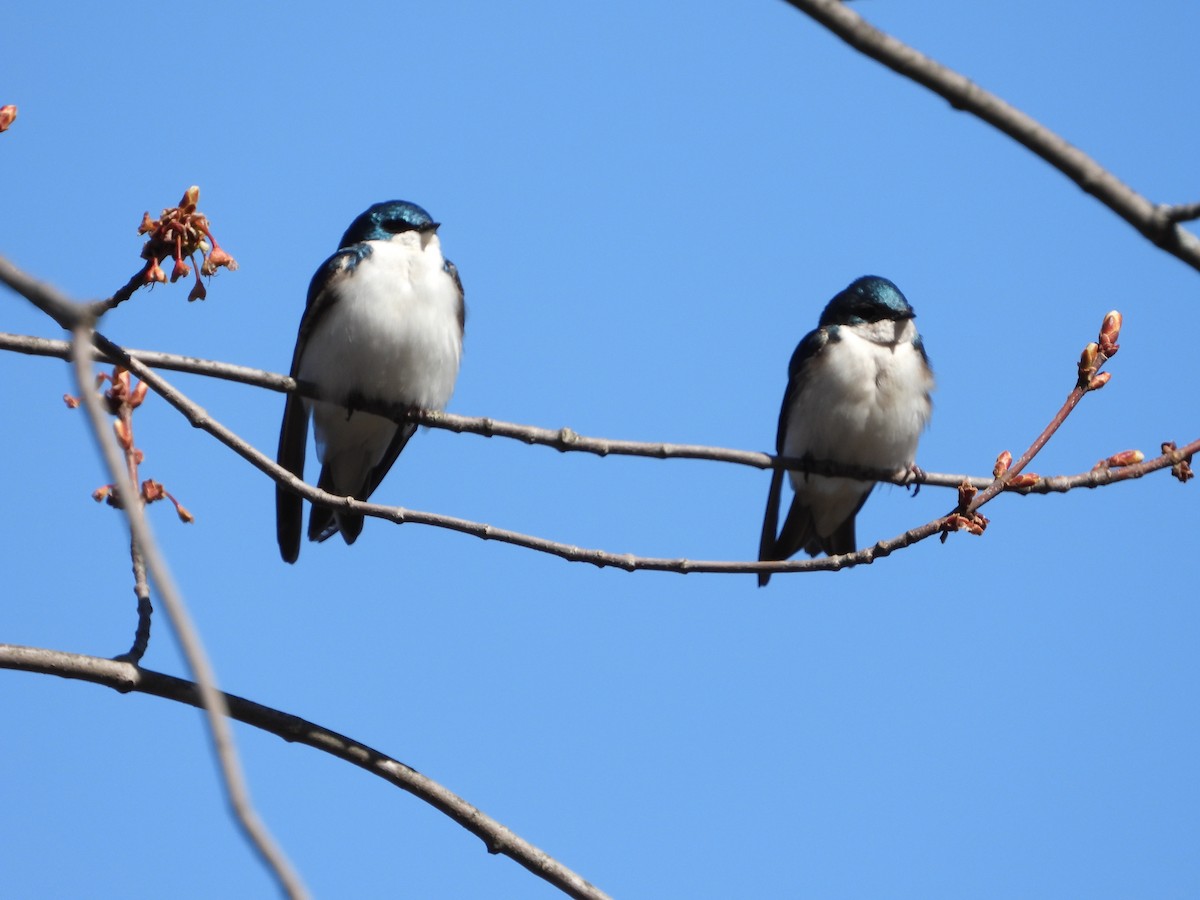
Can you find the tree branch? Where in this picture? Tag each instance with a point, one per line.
(124, 677)
(601, 558)
(564, 440)
(629, 562)
(1159, 224)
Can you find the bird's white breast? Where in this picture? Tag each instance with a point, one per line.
(866, 399)
(393, 332)
(865, 402)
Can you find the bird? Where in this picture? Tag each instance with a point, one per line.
(858, 393)
(383, 323)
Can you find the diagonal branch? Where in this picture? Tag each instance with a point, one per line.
(124, 677)
(189, 639)
(1157, 223)
(80, 321)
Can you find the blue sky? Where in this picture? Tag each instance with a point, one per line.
(649, 205)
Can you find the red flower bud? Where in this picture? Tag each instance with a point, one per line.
(190, 198)
(1110, 331)
(1003, 461)
(124, 437)
(216, 259)
(1124, 458)
(152, 490)
(1088, 359)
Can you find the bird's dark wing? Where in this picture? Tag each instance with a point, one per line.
(767, 544)
(323, 291)
(324, 523)
(452, 270)
(799, 530)
(842, 540)
(798, 524)
(376, 475)
(293, 433)
(919, 344)
(289, 512)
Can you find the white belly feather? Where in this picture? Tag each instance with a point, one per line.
(865, 404)
(393, 336)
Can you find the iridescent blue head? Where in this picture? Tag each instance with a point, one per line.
(867, 299)
(383, 220)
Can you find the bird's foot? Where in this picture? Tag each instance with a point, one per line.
(914, 477)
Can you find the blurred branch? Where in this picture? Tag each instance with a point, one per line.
(1185, 213)
(79, 320)
(189, 639)
(124, 677)
(1157, 223)
(45, 297)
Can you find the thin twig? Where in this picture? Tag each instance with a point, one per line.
(124, 678)
(145, 609)
(127, 290)
(1152, 221)
(1184, 213)
(189, 638)
(1089, 379)
(141, 587)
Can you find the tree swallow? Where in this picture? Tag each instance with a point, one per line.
(858, 393)
(383, 323)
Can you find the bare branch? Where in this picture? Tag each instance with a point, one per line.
(127, 290)
(1186, 213)
(45, 297)
(562, 439)
(1156, 223)
(123, 677)
(629, 562)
